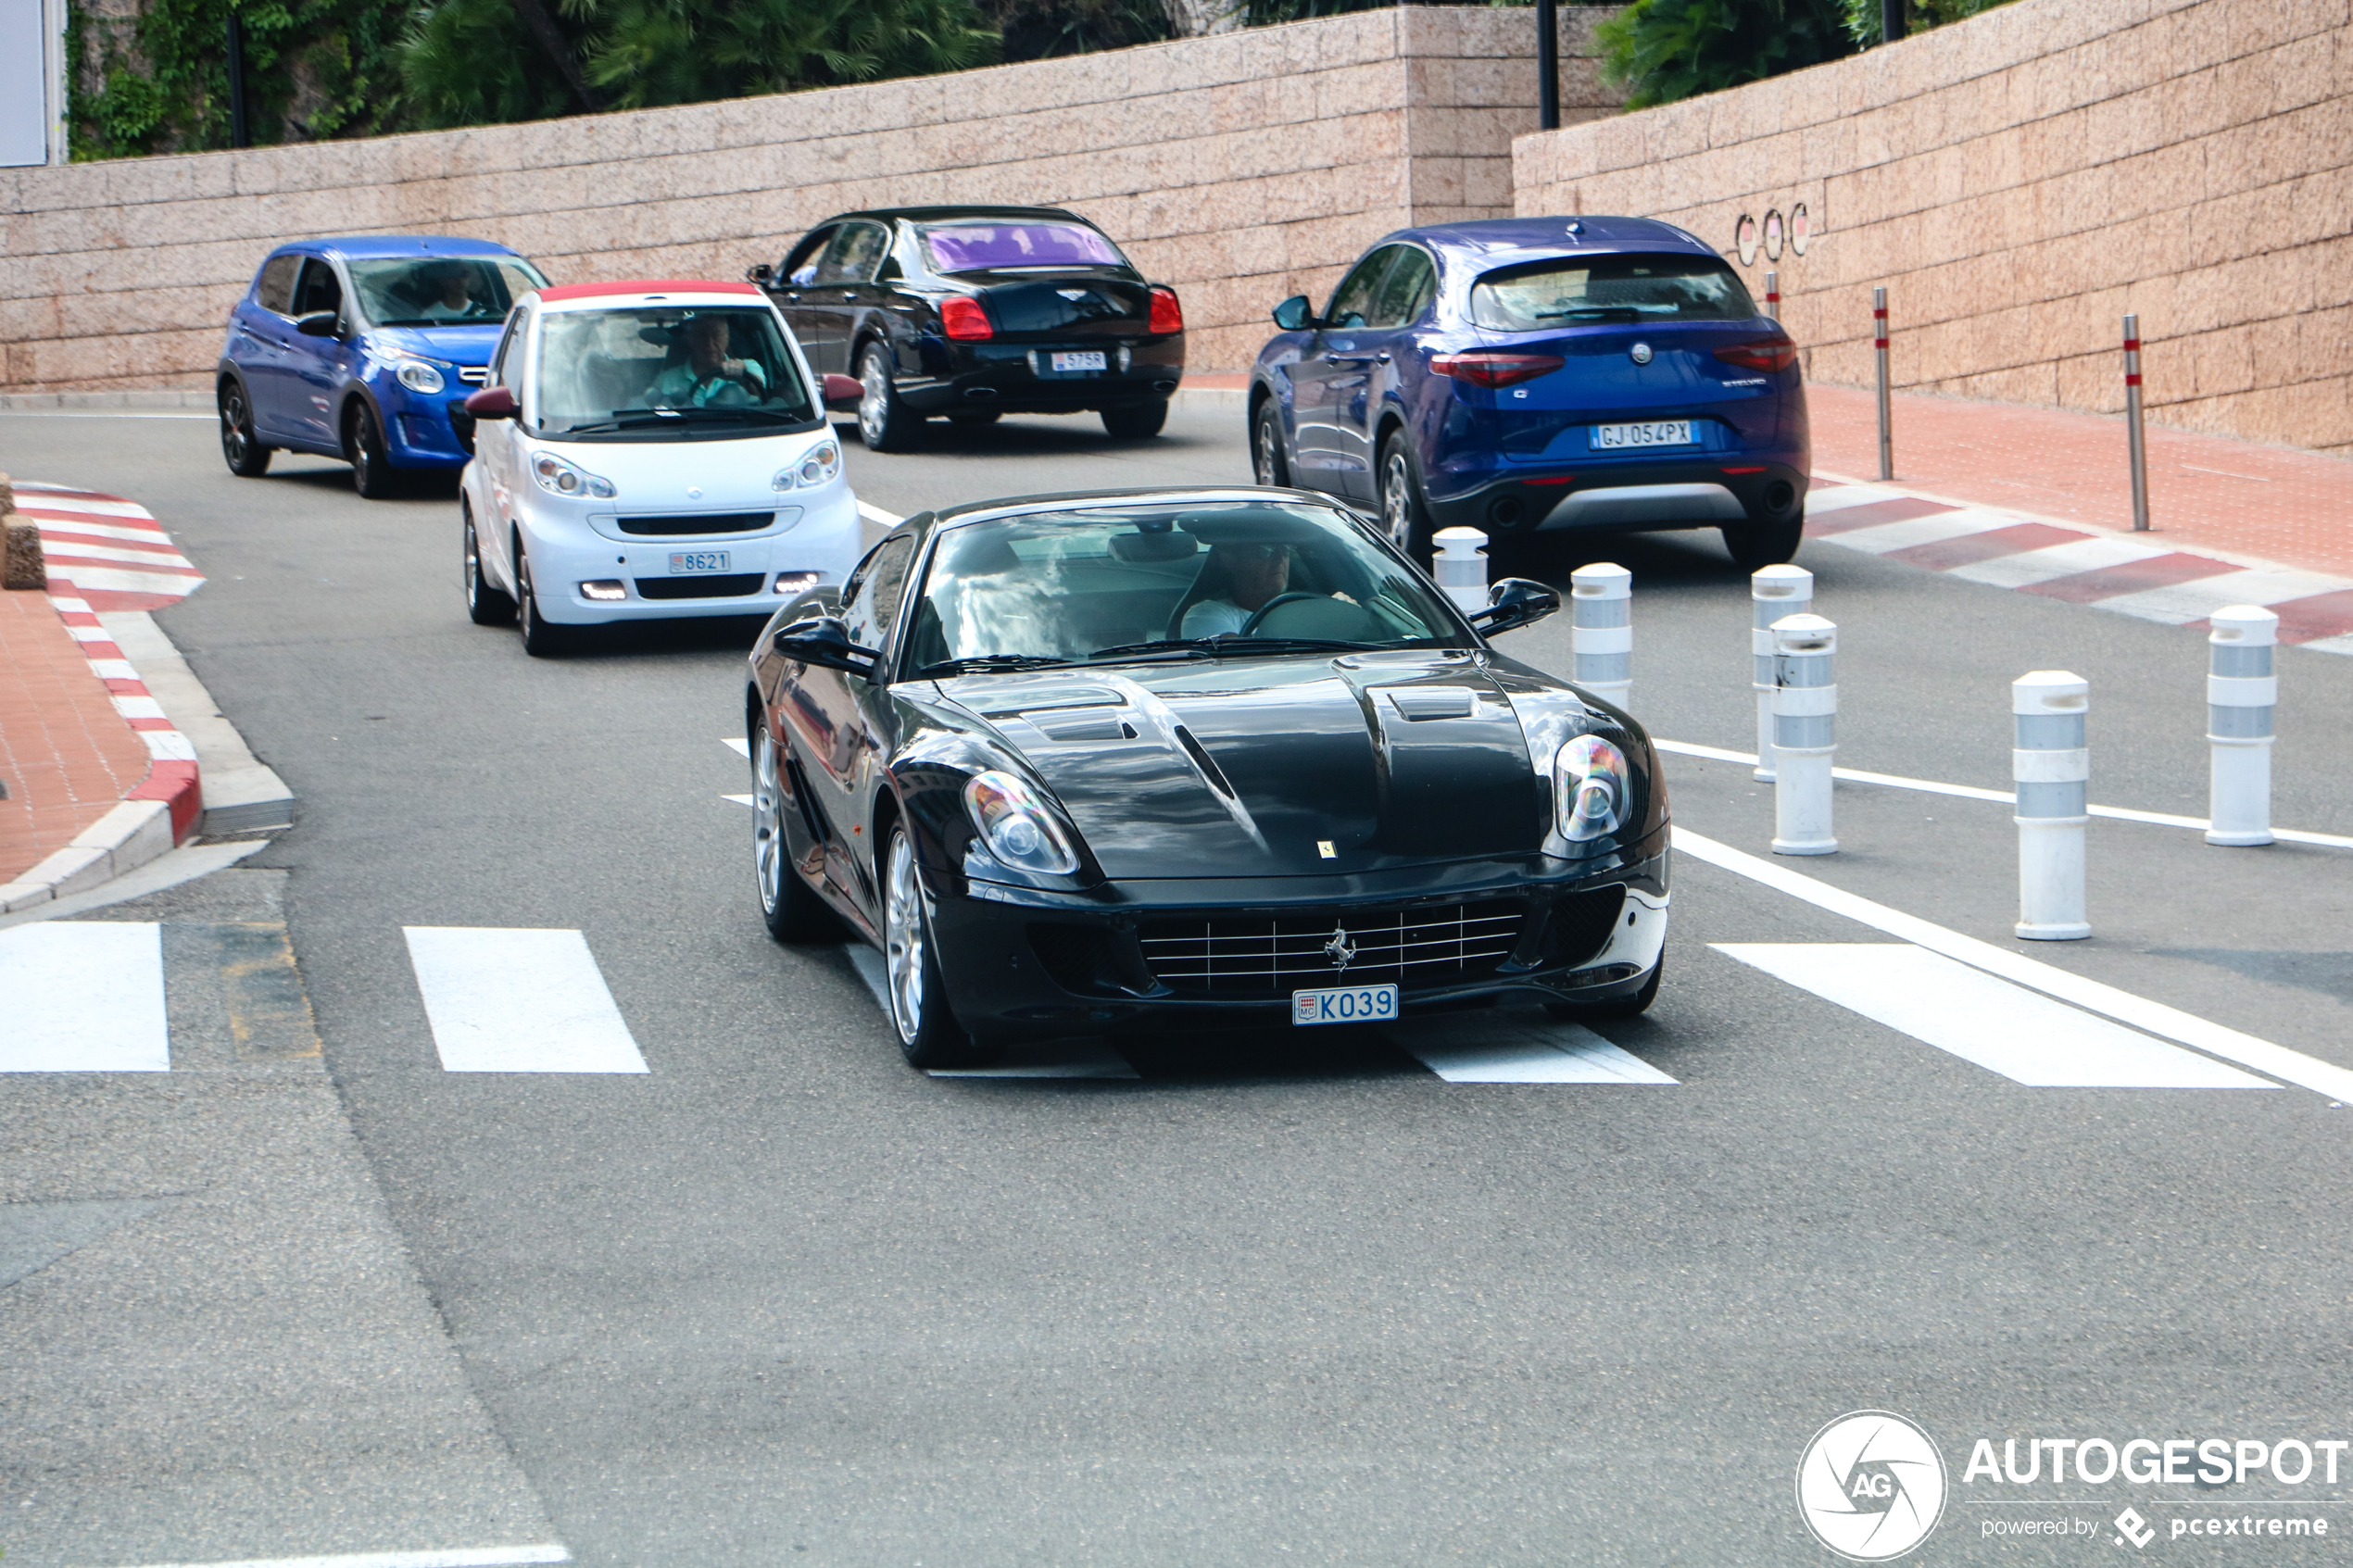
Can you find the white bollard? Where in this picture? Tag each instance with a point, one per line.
(1805, 733)
(1601, 599)
(1774, 593)
(2241, 696)
(2052, 765)
(1461, 568)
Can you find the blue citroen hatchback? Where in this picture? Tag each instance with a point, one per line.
(1526, 374)
(364, 349)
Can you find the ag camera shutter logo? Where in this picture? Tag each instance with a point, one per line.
(1870, 1486)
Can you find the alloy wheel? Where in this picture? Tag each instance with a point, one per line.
(233, 428)
(474, 566)
(903, 938)
(1263, 455)
(1396, 501)
(874, 404)
(768, 837)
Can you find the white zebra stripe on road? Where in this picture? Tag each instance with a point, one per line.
(507, 1000)
(83, 996)
(1494, 1047)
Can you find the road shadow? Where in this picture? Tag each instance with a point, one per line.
(1026, 437)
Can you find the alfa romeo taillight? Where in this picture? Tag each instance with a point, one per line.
(1486, 367)
(1763, 354)
(1167, 315)
(964, 319)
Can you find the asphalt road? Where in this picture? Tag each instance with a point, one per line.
(781, 1299)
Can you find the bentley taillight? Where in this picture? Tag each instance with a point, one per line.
(1486, 367)
(962, 316)
(1167, 315)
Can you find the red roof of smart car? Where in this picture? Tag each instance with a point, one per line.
(644, 285)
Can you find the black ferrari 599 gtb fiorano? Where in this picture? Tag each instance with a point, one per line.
(1173, 759)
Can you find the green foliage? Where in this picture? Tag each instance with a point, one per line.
(314, 68)
(1864, 22)
(1666, 50)
(1037, 29)
(468, 62)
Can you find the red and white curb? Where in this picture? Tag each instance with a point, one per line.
(107, 551)
(2117, 571)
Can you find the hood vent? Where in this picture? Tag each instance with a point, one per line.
(1429, 702)
(1205, 762)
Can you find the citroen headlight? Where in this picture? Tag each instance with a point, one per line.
(819, 464)
(560, 478)
(1015, 826)
(1592, 789)
(418, 375)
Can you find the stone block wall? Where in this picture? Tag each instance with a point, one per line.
(2021, 181)
(1239, 167)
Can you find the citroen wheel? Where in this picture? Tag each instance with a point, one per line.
(248, 457)
(372, 471)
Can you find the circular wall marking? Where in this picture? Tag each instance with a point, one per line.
(1744, 240)
(1773, 235)
(1799, 226)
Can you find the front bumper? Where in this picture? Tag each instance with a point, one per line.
(567, 553)
(1017, 378)
(1629, 497)
(421, 431)
(1019, 962)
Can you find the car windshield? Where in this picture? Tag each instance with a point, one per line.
(1139, 582)
(440, 291)
(1609, 288)
(675, 365)
(978, 248)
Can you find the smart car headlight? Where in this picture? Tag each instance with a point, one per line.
(560, 478)
(418, 375)
(1592, 791)
(1015, 826)
(817, 465)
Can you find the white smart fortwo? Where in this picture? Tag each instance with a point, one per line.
(649, 450)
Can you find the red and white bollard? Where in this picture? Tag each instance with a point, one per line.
(1879, 350)
(2132, 424)
(2051, 763)
(1775, 593)
(1460, 569)
(1773, 295)
(2242, 694)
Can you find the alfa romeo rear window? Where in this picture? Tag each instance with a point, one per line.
(1585, 290)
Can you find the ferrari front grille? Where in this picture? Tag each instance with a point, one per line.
(1239, 955)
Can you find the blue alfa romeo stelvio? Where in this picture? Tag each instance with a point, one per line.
(1525, 374)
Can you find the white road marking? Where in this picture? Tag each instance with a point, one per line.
(2171, 1023)
(1821, 502)
(869, 965)
(1494, 1047)
(1053, 1058)
(481, 1557)
(876, 516)
(1931, 530)
(108, 578)
(2024, 1037)
(740, 744)
(83, 996)
(506, 1001)
(2180, 603)
(741, 800)
(2030, 567)
(1969, 791)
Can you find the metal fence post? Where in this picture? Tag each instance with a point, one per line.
(1878, 349)
(1774, 593)
(1805, 733)
(2132, 424)
(2051, 762)
(1461, 568)
(2242, 694)
(1773, 294)
(1602, 630)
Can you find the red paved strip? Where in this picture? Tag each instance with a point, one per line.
(1870, 514)
(2133, 577)
(2315, 616)
(1970, 548)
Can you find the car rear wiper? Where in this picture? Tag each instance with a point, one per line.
(989, 661)
(1226, 643)
(1592, 313)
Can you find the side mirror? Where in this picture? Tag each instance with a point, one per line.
(763, 275)
(492, 403)
(318, 323)
(1295, 315)
(824, 641)
(843, 391)
(1513, 602)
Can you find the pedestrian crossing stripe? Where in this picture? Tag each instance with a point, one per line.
(83, 996)
(506, 1001)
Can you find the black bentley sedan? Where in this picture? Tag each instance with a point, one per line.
(1166, 759)
(972, 312)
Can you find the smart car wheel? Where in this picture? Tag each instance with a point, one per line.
(1267, 460)
(372, 471)
(486, 605)
(248, 457)
(1404, 516)
(788, 906)
(539, 638)
(1136, 421)
(885, 422)
(927, 1030)
(1756, 545)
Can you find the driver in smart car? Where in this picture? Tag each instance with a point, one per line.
(708, 378)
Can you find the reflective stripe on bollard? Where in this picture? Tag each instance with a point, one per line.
(1775, 593)
(2052, 765)
(2241, 695)
(1601, 599)
(1805, 733)
(1461, 568)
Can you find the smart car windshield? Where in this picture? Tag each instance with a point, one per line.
(1113, 583)
(980, 247)
(606, 371)
(1581, 290)
(441, 291)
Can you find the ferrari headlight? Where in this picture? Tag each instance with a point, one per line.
(1015, 826)
(1592, 790)
(560, 478)
(419, 376)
